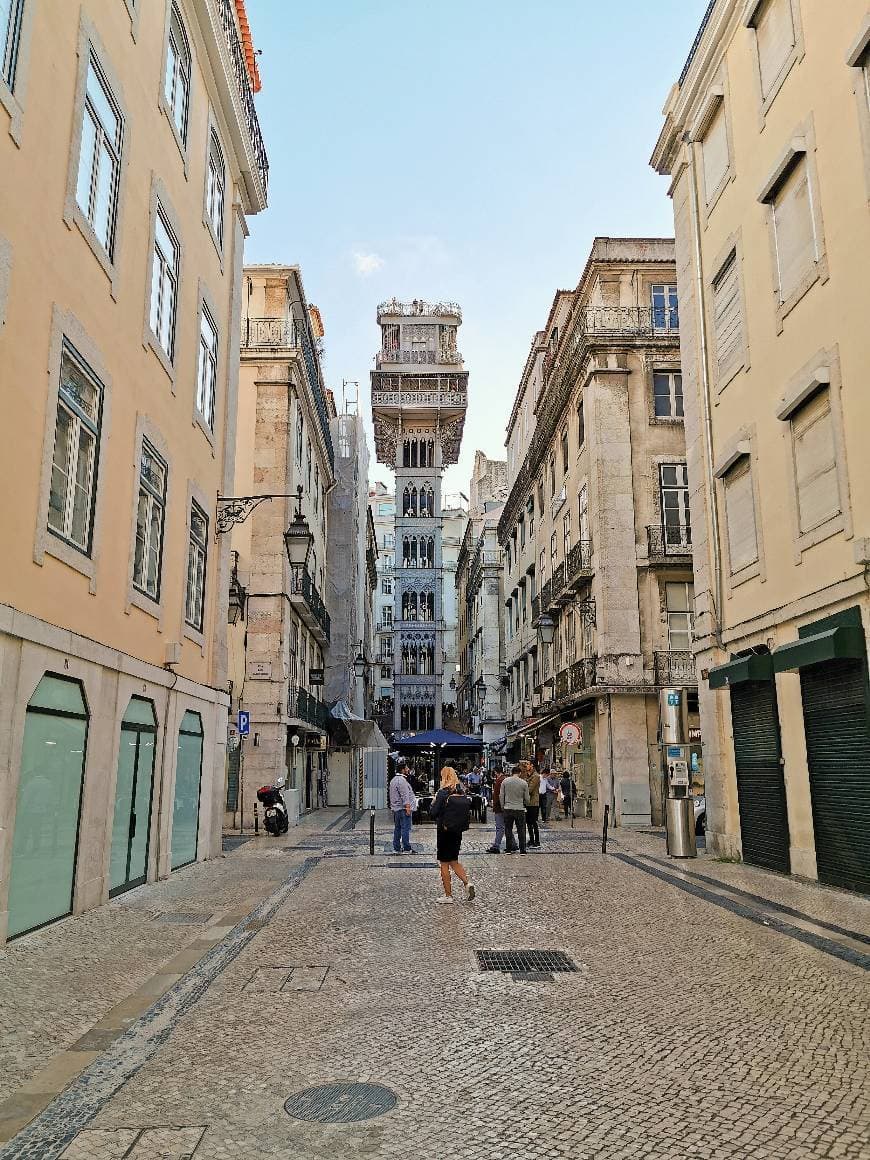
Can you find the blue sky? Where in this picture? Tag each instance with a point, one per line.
(464, 150)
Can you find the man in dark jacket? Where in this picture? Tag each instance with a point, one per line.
(498, 813)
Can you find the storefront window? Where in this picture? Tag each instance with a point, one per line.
(188, 776)
(133, 794)
(48, 806)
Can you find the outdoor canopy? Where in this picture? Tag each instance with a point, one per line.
(438, 737)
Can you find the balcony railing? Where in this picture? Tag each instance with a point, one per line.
(302, 585)
(243, 84)
(675, 668)
(579, 562)
(418, 308)
(536, 608)
(437, 398)
(391, 357)
(546, 589)
(385, 626)
(557, 584)
(669, 540)
(581, 675)
(643, 320)
(304, 707)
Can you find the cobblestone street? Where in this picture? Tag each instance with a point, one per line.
(715, 1011)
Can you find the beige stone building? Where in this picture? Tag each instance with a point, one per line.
(278, 646)
(597, 536)
(131, 156)
(480, 698)
(767, 144)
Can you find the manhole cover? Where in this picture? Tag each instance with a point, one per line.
(525, 961)
(341, 1103)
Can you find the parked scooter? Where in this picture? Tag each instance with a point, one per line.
(275, 816)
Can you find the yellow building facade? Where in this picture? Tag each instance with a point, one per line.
(131, 157)
(767, 144)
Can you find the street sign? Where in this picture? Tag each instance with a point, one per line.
(571, 733)
(315, 676)
(673, 698)
(244, 724)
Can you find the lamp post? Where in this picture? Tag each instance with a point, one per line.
(298, 538)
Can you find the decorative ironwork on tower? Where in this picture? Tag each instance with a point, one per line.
(419, 398)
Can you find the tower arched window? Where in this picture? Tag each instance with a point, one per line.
(427, 500)
(427, 605)
(409, 606)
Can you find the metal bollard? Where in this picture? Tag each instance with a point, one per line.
(256, 819)
(372, 830)
(604, 833)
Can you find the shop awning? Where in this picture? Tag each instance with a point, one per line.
(348, 728)
(845, 642)
(755, 667)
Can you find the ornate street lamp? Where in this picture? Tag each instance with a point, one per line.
(480, 690)
(298, 538)
(360, 664)
(546, 628)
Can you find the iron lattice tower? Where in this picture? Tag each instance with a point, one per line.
(419, 398)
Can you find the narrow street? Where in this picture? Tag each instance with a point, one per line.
(715, 1010)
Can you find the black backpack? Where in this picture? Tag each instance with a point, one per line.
(456, 814)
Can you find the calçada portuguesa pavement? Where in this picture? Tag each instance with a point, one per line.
(715, 1010)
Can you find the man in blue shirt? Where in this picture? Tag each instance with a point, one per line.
(402, 805)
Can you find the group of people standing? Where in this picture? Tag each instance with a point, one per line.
(522, 795)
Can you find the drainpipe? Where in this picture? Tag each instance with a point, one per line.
(705, 392)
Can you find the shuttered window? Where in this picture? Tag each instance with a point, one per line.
(714, 149)
(775, 36)
(740, 516)
(728, 315)
(815, 462)
(796, 250)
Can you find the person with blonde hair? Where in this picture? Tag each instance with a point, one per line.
(451, 811)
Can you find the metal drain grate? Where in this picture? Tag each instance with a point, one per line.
(341, 1103)
(525, 962)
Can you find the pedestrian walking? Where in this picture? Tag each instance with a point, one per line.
(534, 780)
(544, 793)
(514, 797)
(451, 810)
(566, 786)
(402, 802)
(498, 815)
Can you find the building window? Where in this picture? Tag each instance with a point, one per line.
(665, 308)
(728, 318)
(530, 513)
(680, 601)
(389, 540)
(10, 37)
(196, 559)
(386, 672)
(553, 552)
(564, 442)
(775, 39)
(72, 495)
(740, 516)
(815, 462)
(583, 514)
(388, 616)
(177, 83)
(150, 515)
(714, 152)
(566, 533)
(206, 384)
(541, 498)
(100, 157)
(668, 394)
(522, 526)
(674, 488)
(581, 425)
(316, 489)
(300, 423)
(308, 466)
(552, 476)
(387, 585)
(215, 187)
(542, 568)
(794, 229)
(164, 283)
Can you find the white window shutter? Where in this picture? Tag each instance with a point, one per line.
(714, 149)
(815, 462)
(774, 31)
(795, 231)
(727, 315)
(740, 517)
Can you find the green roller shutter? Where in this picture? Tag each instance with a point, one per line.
(760, 783)
(838, 755)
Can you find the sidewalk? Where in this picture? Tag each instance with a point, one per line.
(715, 1010)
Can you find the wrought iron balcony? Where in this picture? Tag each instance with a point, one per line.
(385, 626)
(310, 604)
(418, 308)
(579, 562)
(561, 684)
(557, 584)
(302, 706)
(392, 357)
(669, 541)
(536, 608)
(226, 8)
(581, 675)
(546, 590)
(622, 320)
(675, 668)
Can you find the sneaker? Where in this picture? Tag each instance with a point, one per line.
(523, 852)
(410, 851)
(469, 892)
(493, 850)
(510, 851)
(444, 898)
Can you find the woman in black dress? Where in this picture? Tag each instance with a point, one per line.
(451, 810)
